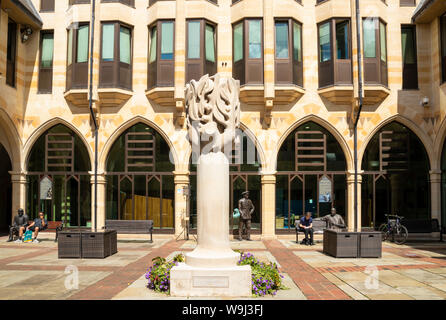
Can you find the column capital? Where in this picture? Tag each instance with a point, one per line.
(181, 177)
(18, 177)
(351, 176)
(268, 178)
(101, 177)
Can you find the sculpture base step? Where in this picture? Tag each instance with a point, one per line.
(189, 281)
(211, 258)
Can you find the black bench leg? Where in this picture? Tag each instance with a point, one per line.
(151, 239)
(297, 236)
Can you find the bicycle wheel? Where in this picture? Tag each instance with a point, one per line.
(400, 235)
(384, 229)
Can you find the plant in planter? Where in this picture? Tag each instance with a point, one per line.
(266, 278)
(158, 275)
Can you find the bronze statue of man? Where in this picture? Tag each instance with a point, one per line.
(334, 220)
(246, 208)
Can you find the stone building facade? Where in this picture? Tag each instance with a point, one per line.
(297, 63)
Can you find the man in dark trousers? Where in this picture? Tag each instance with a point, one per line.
(18, 226)
(246, 208)
(306, 225)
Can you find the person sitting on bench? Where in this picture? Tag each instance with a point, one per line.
(18, 226)
(306, 225)
(39, 224)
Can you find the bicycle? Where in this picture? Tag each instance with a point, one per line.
(393, 229)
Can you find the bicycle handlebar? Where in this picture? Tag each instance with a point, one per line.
(394, 215)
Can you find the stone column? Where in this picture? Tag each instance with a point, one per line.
(180, 58)
(351, 201)
(181, 180)
(19, 182)
(435, 180)
(268, 206)
(101, 214)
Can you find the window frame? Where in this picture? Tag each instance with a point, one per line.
(73, 80)
(160, 73)
(288, 71)
(11, 62)
(335, 71)
(197, 67)
(40, 87)
(380, 66)
(412, 73)
(116, 64)
(240, 68)
(48, 5)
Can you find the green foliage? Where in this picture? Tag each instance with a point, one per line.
(266, 278)
(158, 275)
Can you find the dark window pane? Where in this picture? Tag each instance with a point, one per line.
(342, 39)
(282, 48)
(324, 42)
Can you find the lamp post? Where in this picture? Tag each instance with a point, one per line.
(356, 118)
(93, 115)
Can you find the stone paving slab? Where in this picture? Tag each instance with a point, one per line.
(411, 271)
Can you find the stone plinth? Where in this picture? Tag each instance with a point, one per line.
(191, 281)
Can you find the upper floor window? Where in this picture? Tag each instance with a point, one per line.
(161, 69)
(335, 64)
(288, 56)
(116, 56)
(47, 5)
(409, 51)
(201, 49)
(130, 3)
(443, 46)
(71, 2)
(11, 54)
(77, 56)
(248, 51)
(46, 61)
(375, 51)
(407, 3)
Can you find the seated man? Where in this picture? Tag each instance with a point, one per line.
(334, 220)
(39, 224)
(306, 225)
(18, 226)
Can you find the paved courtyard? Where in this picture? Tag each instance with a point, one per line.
(412, 271)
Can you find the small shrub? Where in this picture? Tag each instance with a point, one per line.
(266, 278)
(158, 275)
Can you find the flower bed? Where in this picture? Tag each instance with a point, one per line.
(266, 278)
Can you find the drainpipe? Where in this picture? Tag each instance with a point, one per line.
(93, 115)
(355, 129)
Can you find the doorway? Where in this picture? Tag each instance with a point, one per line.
(5, 197)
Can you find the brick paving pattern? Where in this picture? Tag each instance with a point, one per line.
(413, 271)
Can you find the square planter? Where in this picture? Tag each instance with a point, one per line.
(69, 244)
(99, 244)
(370, 244)
(341, 244)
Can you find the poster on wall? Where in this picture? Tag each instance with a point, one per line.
(46, 189)
(324, 190)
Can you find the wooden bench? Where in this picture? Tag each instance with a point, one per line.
(318, 227)
(56, 226)
(422, 226)
(130, 227)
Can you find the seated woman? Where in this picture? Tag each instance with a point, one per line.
(39, 224)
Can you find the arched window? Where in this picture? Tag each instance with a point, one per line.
(396, 176)
(58, 178)
(244, 175)
(140, 184)
(310, 175)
